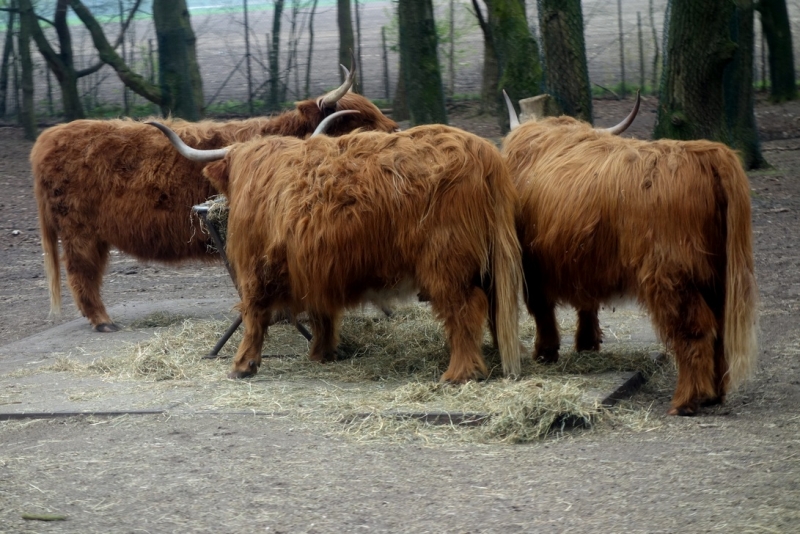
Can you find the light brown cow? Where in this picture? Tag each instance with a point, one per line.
(320, 225)
(112, 183)
(665, 222)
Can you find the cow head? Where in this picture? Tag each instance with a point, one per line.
(217, 169)
(369, 117)
(513, 120)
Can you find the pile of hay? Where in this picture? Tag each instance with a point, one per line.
(387, 387)
(217, 216)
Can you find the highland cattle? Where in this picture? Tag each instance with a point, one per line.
(322, 224)
(111, 183)
(665, 222)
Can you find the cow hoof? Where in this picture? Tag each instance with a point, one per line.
(107, 327)
(546, 356)
(588, 347)
(682, 410)
(252, 369)
(324, 357)
(713, 401)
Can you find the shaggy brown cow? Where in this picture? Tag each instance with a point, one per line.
(666, 222)
(320, 225)
(112, 183)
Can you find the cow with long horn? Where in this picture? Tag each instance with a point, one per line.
(111, 183)
(664, 222)
(323, 224)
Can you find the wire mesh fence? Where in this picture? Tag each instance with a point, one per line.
(623, 41)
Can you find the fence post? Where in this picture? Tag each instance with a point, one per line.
(247, 56)
(641, 51)
(385, 64)
(621, 48)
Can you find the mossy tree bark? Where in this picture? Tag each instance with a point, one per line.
(179, 73)
(61, 63)
(347, 41)
(707, 89)
(420, 63)
(519, 73)
(27, 116)
(739, 91)
(564, 51)
(699, 47)
(777, 30)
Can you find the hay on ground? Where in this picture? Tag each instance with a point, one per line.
(391, 369)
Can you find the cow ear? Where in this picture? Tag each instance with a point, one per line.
(217, 174)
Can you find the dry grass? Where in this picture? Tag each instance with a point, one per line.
(384, 387)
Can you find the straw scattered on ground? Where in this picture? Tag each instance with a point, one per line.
(384, 388)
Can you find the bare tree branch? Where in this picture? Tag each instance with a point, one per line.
(108, 55)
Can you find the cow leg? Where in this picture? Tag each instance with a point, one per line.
(85, 260)
(690, 329)
(325, 328)
(463, 313)
(588, 336)
(486, 286)
(548, 340)
(256, 319)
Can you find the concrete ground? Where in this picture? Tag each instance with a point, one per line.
(185, 468)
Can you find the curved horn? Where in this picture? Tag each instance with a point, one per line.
(330, 99)
(188, 152)
(622, 126)
(513, 120)
(327, 120)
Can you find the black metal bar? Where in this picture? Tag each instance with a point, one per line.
(224, 339)
(202, 211)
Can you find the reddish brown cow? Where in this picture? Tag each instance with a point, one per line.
(320, 225)
(666, 222)
(112, 183)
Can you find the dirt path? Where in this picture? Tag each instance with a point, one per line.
(734, 468)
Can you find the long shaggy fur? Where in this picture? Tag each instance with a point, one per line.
(320, 225)
(113, 183)
(666, 222)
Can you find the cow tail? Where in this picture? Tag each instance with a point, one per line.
(52, 267)
(506, 275)
(741, 292)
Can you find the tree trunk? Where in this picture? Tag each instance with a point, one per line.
(274, 93)
(346, 37)
(564, 50)
(420, 64)
(179, 74)
(8, 47)
(777, 30)
(400, 103)
(307, 88)
(739, 92)
(516, 52)
(62, 63)
(491, 70)
(698, 49)
(27, 117)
